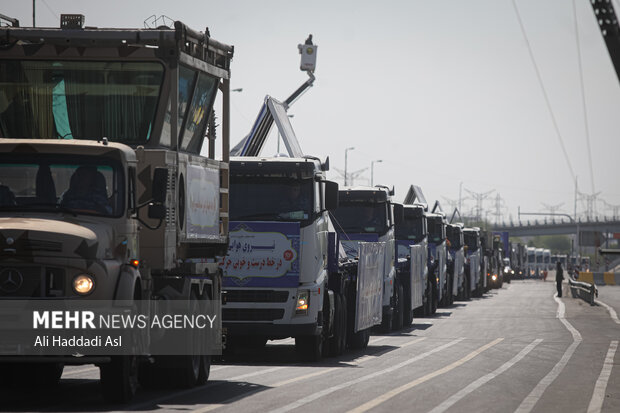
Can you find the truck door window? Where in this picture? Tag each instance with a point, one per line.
(198, 113)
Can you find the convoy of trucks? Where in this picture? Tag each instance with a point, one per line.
(267, 245)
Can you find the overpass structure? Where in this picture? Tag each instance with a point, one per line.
(557, 227)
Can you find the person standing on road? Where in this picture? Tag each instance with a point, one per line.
(559, 276)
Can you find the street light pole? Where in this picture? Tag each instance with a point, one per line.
(345, 163)
(372, 170)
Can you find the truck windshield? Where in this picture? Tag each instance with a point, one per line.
(262, 199)
(531, 258)
(357, 217)
(454, 236)
(471, 241)
(435, 231)
(410, 229)
(75, 184)
(79, 99)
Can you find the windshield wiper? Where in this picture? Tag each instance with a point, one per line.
(39, 207)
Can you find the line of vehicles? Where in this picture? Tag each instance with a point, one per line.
(110, 189)
(532, 262)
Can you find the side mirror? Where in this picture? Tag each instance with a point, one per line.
(159, 186)
(157, 211)
(399, 214)
(331, 195)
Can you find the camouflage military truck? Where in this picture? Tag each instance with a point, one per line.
(104, 191)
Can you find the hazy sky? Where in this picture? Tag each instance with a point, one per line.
(444, 92)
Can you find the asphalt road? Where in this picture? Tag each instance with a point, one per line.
(516, 349)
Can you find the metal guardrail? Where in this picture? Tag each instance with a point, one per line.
(583, 290)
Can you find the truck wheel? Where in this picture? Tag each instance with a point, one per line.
(397, 319)
(386, 323)
(119, 379)
(187, 367)
(205, 369)
(360, 339)
(309, 348)
(408, 311)
(338, 341)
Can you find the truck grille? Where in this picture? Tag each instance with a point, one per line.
(251, 314)
(256, 296)
(32, 282)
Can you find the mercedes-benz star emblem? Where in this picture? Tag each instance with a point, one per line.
(11, 280)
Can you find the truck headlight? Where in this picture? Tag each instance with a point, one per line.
(83, 284)
(303, 299)
(494, 277)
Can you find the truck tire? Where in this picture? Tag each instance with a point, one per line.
(338, 341)
(386, 323)
(119, 379)
(359, 340)
(408, 312)
(187, 367)
(397, 319)
(205, 369)
(43, 375)
(309, 348)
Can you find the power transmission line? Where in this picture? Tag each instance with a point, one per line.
(583, 96)
(544, 91)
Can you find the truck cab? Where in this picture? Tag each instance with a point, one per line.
(105, 195)
(410, 231)
(276, 267)
(365, 214)
(438, 253)
(456, 254)
(475, 275)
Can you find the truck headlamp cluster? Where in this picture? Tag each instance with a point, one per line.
(83, 284)
(303, 299)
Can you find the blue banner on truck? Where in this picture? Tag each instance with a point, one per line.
(350, 242)
(262, 254)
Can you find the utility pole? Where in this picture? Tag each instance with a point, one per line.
(498, 208)
(372, 170)
(552, 208)
(479, 197)
(345, 164)
(33, 13)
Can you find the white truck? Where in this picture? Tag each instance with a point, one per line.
(283, 274)
(365, 214)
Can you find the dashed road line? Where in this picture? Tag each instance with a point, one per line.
(485, 379)
(385, 397)
(317, 395)
(598, 397)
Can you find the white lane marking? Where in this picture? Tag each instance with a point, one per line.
(209, 386)
(596, 403)
(317, 395)
(484, 379)
(530, 401)
(385, 397)
(78, 371)
(374, 356)
(358, 361)
(612, 312)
